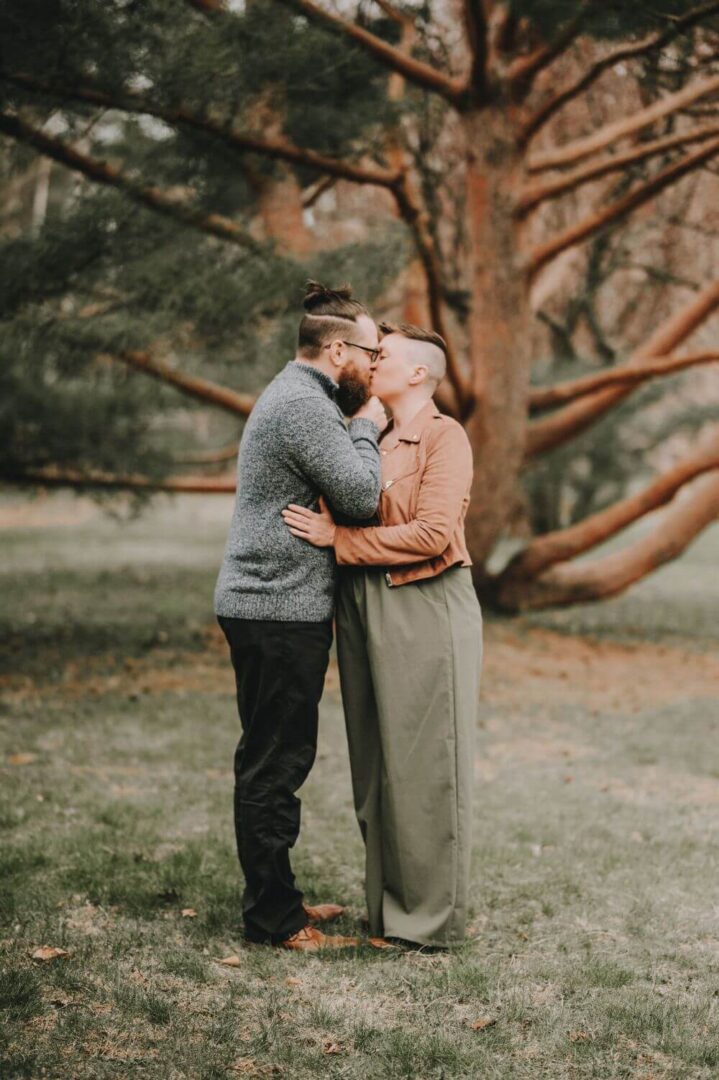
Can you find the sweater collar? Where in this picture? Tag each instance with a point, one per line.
(329, 385)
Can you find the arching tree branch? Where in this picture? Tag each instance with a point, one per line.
(539, 191)
(97, 480)
(581, 582)
(566, 423)
(564, 544)
(600, 219)
(611, 133)
(101, 172)
(623, 52)
(278, 149)
(201, 389)
(546, 397)
(415, 71)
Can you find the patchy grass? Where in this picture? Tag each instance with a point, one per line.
(593, 943)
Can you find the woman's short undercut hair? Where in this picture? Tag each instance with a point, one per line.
(435, 360)
(329, 314)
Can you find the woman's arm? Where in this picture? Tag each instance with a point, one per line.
(444, 486)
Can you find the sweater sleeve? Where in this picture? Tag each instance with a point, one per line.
(341, 461)
(444, 486)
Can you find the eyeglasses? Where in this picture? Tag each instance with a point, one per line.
(373, 353)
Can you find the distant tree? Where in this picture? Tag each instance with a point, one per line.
(225, 123)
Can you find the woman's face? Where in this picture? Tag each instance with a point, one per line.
(392, 371)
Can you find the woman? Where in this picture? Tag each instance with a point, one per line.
(409, 648)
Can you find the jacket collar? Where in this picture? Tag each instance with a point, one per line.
(422, 420)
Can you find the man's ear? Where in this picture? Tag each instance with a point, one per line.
(335, 350)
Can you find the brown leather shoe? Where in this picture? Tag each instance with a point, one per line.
(381, 943)
(310, 940)
(323, 912)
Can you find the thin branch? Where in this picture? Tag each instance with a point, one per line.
(600, 219)
(623, 52)
(534, 194)
(610, 133)
(566, 423)
(417, 219)
(585, 581)
(415, 71)
(549, 396)
(208, 7)
(103, 173)
(563, 544)
(400, 17)
(525, 69)
(278, 149)
(96, 479)
(210, 457)
(191, 385)
(477, 35)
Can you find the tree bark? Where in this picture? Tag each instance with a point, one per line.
(498, 328)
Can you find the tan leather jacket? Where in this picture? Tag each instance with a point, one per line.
(426, 481)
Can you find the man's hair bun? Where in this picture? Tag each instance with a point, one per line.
(317, 294)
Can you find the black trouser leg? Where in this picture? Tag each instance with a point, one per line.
(279, 672)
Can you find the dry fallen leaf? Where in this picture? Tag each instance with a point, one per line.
(189, 913)
(21, 759)
(332, 1048)
(483, 1022)
(48, 952)
(231, 961)
(249, 1067)
(293, 982)
(578, 1036)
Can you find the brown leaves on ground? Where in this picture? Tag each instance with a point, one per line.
(21, 759)
(330, 1047)
(249, 1067)
(231, 961)
(483, 1023)
(48, 952)
(188, 913)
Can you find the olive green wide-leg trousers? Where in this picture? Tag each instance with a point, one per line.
(410, 659)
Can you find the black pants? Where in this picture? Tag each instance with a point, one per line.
(279, 672)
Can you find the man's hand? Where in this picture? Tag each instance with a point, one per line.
(317, 529)
(373, 410)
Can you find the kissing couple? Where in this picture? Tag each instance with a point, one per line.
(340, 512)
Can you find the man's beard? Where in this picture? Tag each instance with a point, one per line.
(353, 391)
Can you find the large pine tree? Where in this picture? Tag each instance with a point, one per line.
(203, 131)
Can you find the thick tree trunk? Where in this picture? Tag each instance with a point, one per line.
(498, 329)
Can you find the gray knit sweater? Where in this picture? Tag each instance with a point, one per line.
(295, 446)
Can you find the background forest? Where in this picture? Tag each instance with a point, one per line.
(536, 180)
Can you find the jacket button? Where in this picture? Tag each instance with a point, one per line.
(388, 578)
(388, 484)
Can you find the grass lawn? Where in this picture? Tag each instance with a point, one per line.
(594, 944)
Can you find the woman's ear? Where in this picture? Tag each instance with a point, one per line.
(420, 374)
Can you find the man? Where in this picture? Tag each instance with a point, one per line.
(275, 595)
